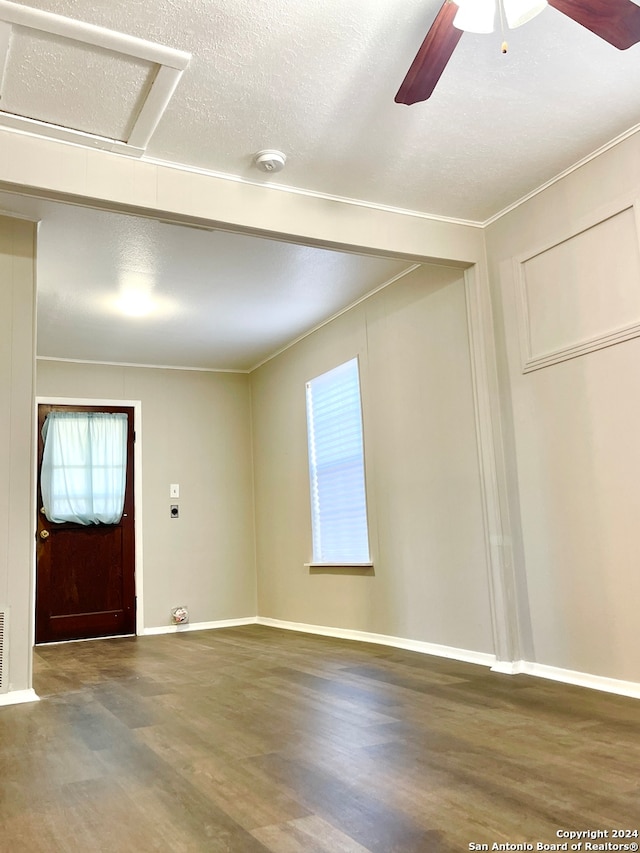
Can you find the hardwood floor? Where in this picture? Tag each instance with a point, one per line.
(255, 739)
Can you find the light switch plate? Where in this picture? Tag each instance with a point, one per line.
(174, 490)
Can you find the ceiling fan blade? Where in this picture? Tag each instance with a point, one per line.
(431, 60)
(615, 21)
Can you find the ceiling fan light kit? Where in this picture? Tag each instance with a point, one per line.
(475, 16)
(478, 16)
(615, 21)
(519, 12)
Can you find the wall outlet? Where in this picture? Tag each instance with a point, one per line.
(175, 512)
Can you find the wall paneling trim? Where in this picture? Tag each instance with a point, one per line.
(582, 292)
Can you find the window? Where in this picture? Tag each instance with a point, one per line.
(84, 467)
(336, 467)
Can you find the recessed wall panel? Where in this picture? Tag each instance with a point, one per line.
(581, 293)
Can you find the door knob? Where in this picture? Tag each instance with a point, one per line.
(44, 534)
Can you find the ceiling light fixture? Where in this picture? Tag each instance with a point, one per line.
(478, 16)
(270, 160)
(135, 303)
(135, 297)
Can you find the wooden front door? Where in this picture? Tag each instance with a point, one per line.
(85, 575)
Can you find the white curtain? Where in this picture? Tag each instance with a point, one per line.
(84, 467)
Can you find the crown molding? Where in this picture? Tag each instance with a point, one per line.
(400, 211)
(226, 176)
(147, 366)
(333, 317)
(561, 175)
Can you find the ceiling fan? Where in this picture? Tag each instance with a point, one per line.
(615, 21)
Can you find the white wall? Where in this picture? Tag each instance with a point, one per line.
(17, 528)
(429, 582)
(196, 432)
(572, 258)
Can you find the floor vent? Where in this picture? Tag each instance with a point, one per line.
(3, 647)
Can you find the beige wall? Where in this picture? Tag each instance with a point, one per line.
(430, 577)
(195, 432)
(573, 426)
(569, 428)
(17, 347)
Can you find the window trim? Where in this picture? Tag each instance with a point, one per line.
(343, 564)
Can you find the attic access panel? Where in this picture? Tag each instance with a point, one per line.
(69, 80)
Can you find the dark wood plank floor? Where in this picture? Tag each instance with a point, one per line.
(254, 739)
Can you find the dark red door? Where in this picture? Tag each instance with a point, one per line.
(85, 575)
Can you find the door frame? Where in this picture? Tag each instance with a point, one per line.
(136, 405)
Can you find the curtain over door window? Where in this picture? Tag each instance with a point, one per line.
(84, 466)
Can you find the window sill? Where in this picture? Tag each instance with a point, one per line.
(343, 565)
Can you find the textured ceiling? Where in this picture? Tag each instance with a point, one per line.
(56, 80)
(316, 79)
(219, 300)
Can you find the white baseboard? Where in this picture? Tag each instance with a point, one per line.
(520, 667)
(582, 679)
(198, 626)
(482, 658)
(509, 667)
(17, 697)
(538, 670)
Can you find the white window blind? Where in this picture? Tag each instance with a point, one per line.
(336, 467)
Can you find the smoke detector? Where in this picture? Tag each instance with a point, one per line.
(270, 160)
